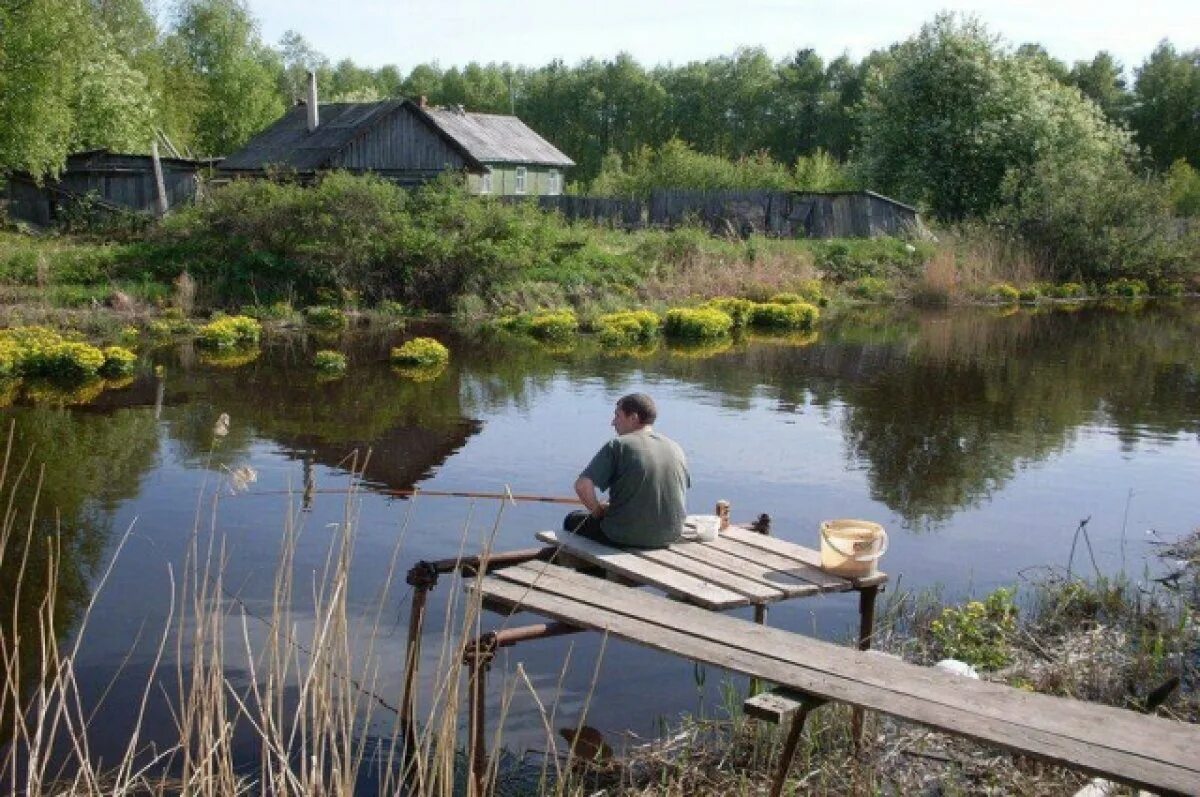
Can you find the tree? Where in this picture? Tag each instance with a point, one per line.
(1166, 112)
(226, 79)
(951, 119)
(299, 58)
(1102, 81)
(64, 85)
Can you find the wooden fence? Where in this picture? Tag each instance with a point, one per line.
(783, 214)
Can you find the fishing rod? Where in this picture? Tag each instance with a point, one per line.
(307, 492)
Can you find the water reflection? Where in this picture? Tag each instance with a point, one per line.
(932, 417)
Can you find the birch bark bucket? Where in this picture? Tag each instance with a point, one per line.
(852, 548)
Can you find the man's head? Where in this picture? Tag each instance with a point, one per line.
(634, 412)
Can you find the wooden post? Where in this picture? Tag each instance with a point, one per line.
(789, 749)
(160, 187)
(866, 630)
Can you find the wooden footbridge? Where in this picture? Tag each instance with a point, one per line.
(745, 568)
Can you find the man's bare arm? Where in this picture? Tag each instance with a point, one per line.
(586, 490)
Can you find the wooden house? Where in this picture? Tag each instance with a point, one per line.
(108, 180)
(406, 142)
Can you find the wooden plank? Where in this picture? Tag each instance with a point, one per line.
(792, 550)
(790, 586)
(1067, 717)
(782, 565)
(1170, 767)
(757, 590)
(631, 565)
(778, 705)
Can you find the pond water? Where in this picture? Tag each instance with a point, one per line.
(980, 439)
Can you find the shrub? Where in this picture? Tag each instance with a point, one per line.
(872, 289)
(230, 331)
(1125, 288)
(71, 359)
(697, 323)
(628, 327)
(118, 361)
(772, 315)
(324, 317)
(978, 632)
(38, 351)
(421, 352)
(330, 362)
(1003, 292)
(553, 325)
(737, 309)
(1030, 294)
(1066, 290)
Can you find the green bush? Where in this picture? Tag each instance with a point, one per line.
(771, 315)
(38, 351)
(737, 309)
(230, 331)
(423, 352)
(1030, 293)
(809, 291)
(330, 362)
(550, 325)
(118, 361)
(1066, 290)
(628, 327)
(323, 317)
(1003, 292)
(559, 325)
(697, 323)
(871, 289)
(978, 633)
(1125, 288)
(849, 260)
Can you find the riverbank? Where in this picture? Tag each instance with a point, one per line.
(361, 243)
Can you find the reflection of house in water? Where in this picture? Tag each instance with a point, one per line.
(398, 459)
(406, 441)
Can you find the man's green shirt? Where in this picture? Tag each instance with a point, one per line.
(646, 476)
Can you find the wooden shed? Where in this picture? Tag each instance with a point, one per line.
(408, 143)
(113, 180)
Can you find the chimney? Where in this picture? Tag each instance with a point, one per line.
(313, 113)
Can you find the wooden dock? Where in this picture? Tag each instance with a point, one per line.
(1139, 750)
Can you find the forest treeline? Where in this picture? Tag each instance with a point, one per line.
(80, 73)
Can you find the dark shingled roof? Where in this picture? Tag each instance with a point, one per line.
(497, 139)
(478, 137)
(288, 142)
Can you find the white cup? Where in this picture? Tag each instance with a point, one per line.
(707, 527)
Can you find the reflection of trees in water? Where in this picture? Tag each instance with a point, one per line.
(77, 466)
(977, 398)
(942, 407)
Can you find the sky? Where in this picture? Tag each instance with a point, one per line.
(534, 32)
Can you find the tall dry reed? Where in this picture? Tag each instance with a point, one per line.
(311, 687)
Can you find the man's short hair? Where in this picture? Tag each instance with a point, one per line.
(639, 404)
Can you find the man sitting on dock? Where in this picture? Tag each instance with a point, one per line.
(645, 474)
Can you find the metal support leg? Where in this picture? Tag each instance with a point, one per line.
(422, 578)
(789, 747)
(866, 630)
(478, 656)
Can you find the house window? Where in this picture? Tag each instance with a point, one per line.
(555, 183)
(485, 182)
(519, 188)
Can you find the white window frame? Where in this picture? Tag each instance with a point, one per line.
(555, 182)
(485, 181)
(519, 185)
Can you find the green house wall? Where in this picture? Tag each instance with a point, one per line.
(504, 180)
